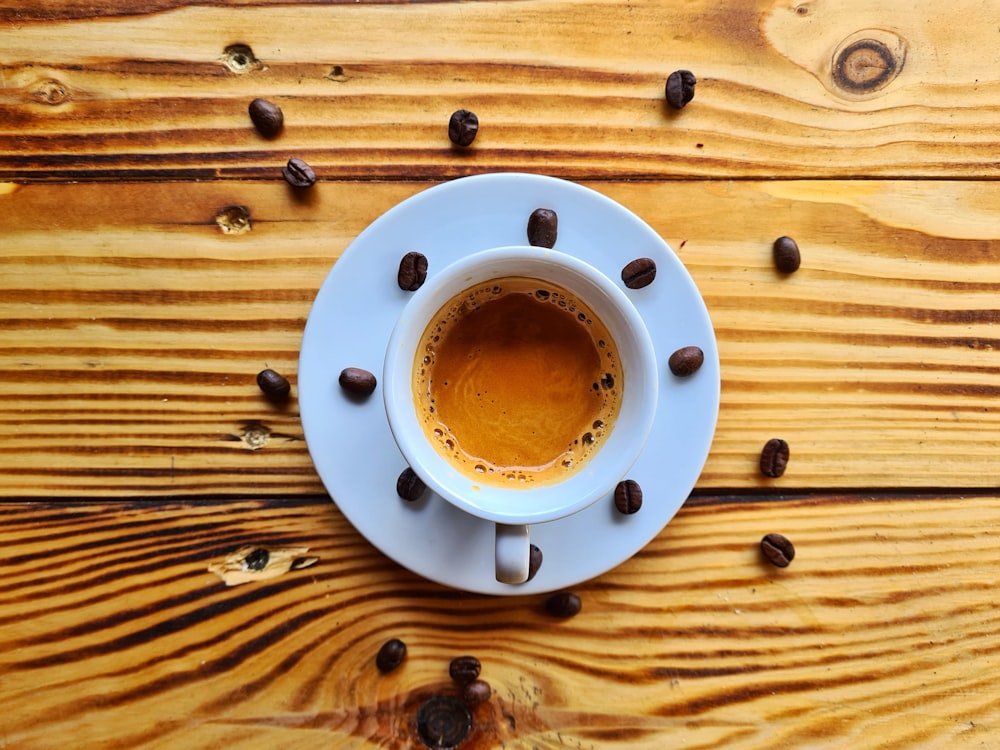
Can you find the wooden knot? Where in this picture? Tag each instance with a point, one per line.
(867, 64)
(443, 722)
(234, 220)
(336, 74)
(239, 58)
(51, 92)
(256, 435)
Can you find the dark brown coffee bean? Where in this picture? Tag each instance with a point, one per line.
(534, 561)
(464, 669)
(639, 273)
(628, 496)
(412, 271)
(476, 692)
(298, 174)
(443, 722)
(565, 604)
(274, 385)
(462, 127)
(391, 655)
(409, 486)
(357, 381)
(686, 361)
(267, 117)
(774, 458)
(257, 559)
(543, 226)
(787, 257)
(778, 549)
(680, 88)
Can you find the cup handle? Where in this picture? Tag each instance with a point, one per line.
(512, 553)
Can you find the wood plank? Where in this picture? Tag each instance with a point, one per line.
(116, 633)
(570, 87)
(132, 329)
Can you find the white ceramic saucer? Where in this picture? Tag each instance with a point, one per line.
(349, 326)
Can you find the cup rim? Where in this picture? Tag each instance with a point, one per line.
(623, 444)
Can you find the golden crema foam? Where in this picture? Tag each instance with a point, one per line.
(516, 380)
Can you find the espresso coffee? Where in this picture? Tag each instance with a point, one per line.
(517, 381)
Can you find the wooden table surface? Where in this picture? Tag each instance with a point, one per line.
(152, 261)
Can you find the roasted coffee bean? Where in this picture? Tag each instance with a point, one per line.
(534, 561)
(409, 486)
(412, 271)
(565, 604)
(686, 361)
(639, 273)
(778, 549)
(476, 692)
(543, 226)
(257, 559)
(462, 127)
(443, 722)
(680, 88)
(274, 385)
(787, 257)
(358, 381)
(774, 458)
(267, 117)
(298, 174)
(628, 496)
(464, 669)
(391, 655)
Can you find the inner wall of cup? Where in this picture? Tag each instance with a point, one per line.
(620, 448)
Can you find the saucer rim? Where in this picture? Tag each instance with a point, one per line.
(436, 541)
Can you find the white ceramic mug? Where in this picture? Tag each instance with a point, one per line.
(515, 508)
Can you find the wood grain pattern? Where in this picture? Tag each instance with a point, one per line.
(882, 633)
(132, 329)
(137, 453)
(570, 87)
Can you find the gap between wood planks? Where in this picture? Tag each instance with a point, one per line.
(697, 498)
